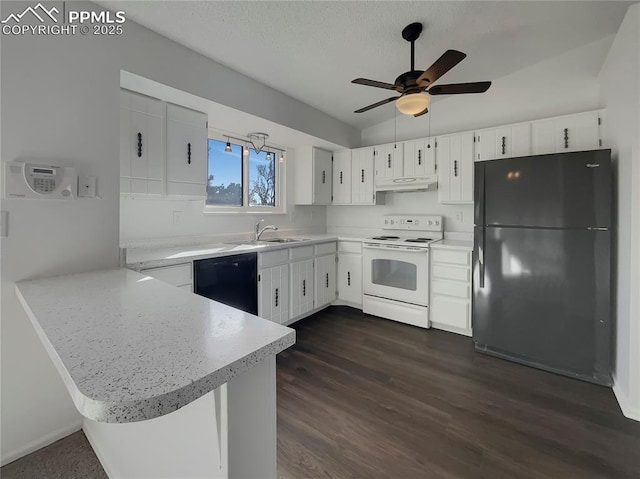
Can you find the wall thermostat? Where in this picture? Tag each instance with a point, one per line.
(28, 180)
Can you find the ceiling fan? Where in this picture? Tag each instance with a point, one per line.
(415, 87)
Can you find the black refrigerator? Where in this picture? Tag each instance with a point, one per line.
(542, 262)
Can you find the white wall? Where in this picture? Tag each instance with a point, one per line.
(620, 91)
(561, 85)
(60, 105)
(194, 226)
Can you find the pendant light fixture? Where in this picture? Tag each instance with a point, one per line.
(227, 147)
(281, 159)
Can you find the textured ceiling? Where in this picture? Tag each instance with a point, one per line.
(312, 50)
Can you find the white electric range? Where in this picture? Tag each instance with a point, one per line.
(396, 268)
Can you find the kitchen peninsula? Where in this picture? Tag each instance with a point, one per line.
(170, 384)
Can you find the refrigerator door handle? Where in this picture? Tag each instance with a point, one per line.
(481, 261)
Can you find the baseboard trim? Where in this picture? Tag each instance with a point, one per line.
(623, 401)
(41, 442)
(96, 449)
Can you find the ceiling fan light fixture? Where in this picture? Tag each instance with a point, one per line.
(413, 103)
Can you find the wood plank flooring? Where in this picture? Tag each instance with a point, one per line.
(363, 397)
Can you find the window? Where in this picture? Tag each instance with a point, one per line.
(241, 179)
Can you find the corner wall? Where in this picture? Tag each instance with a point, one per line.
(620, 93)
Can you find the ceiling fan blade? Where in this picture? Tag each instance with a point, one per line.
(442, 65)
(377, 84)
(380, 103)
(457, 88)
(421, 113)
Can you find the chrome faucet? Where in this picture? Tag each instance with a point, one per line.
(260, 231)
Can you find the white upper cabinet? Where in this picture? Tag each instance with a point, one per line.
(455, 168)
(342, 177)
(419, 157)
(142, 142)
(389, 161)
(187, 144)
(313, 176)
(503, 142)
(362, 176)
(568, 133)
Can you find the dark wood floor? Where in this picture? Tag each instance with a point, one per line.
(363, 397)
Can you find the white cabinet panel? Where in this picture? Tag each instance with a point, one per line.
(142, 144)
(325, 280)
(301, 287)
(342, 177)
(485, 145)
(178, 275)
(569, 133)
(187, 144)
(389, 160)
(455, 168)
(273, 293)
(419, 157)
(362, 176)
(350, 278)
(451, 311)
(312, 169)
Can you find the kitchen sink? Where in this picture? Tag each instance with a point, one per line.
(284, 240)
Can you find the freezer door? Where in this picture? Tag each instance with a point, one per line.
(544, 299)
(569, 190)
(478, 194)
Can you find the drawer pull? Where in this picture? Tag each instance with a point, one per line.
(139, 144)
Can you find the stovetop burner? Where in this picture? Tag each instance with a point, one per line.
(386, 237)
(418, 240)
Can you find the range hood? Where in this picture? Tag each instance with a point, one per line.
(407, 183)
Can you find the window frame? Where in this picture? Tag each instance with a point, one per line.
(280, 169)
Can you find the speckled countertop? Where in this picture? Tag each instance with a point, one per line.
(154, 257)
(131, 348)
(453, 244)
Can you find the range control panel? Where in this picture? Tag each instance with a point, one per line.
(412, 222)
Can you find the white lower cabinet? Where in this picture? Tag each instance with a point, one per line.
(301, 276)
(325, 280)
(179, 275)
(349, 277)
(450, 302)
(273, 293)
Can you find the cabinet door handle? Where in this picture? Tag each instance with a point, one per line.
(277, 297)
(362, 176)
(455, 167)
(566, 137)
(341, 177)
(326, 280)
(348, 278)
(324, 177)
(188, 153)
(139, 145)
(504, 145)
(389, 160)
(419, 157)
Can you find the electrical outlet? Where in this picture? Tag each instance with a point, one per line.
(459, 216)
(87, 186)
(177, 217)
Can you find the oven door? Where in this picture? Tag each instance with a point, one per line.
(396, 273)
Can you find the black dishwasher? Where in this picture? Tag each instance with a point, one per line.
(230, 280)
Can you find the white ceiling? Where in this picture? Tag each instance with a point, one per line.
(312, 50)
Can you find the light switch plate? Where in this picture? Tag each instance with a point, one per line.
(87, 187)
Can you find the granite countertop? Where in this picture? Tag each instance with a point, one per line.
(154, 257)
(453, 244)
(131, 348)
